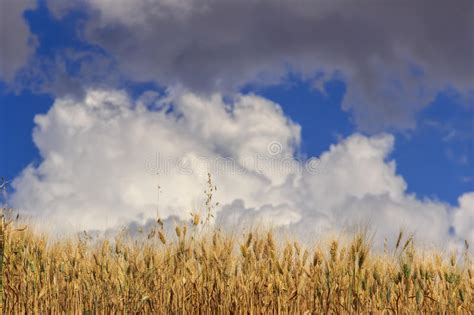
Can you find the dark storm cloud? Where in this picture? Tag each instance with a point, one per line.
(50, 74)
(16, 42)
(395, 56)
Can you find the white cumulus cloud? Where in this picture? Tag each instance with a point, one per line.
(464, 218)
(104, 156)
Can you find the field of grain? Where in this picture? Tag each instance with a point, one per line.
(195, 272)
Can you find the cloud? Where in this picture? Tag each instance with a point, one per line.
(101, 155)
(394, 56)
(105, 156)
(16, 41)
(50, 73)
(464, 218)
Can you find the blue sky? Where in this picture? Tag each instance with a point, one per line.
(335, 87)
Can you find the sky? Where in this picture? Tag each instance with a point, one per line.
(311, 116)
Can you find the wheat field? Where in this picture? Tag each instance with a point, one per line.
(205, 271)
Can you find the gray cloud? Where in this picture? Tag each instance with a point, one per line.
(49, 74)
(394, 55)
(16, 42)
